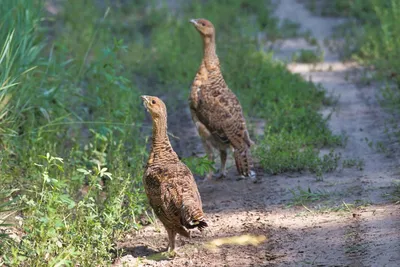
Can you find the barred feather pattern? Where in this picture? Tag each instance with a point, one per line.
(216, 110)
(170, 186)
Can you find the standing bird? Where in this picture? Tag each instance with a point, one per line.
(215, 109)
(169, 184)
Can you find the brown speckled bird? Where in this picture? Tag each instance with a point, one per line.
(169, 184)
(215, 109)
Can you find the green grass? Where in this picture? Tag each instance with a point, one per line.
(66, 105)
(339, 8)
(18, 51)
(394, 195)
(371, 33)
(353, 163)
(199, 165)
(308, 56)
(372, 39)
(302, 196)
(321, 201)
(71, 117)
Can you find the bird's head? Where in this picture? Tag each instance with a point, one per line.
(154, 106)
(205, 27)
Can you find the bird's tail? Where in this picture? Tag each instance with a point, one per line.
(199, 223)
(244, 163)
(193, 218)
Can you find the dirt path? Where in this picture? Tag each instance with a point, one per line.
(332, 233)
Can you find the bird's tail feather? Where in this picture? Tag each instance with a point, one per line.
(194, 220)
(244, 163)
(200, 224)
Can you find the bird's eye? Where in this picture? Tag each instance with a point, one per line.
(203, 24)
(153, 101)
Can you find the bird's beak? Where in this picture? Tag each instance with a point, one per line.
(193, 21)
(145, 98)
(146, 101)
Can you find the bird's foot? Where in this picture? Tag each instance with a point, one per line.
(207, 178)
(240, 177)
(251, 175)
(220, 175)
(169, 253)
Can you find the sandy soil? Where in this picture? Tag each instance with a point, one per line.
(297, 236)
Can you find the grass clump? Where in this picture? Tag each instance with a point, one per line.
(372, 40)
(68, 96)
(199, 165)
(308, 56)
(18, 51)
(75, 230)
(353, 163)
(380, 42)
(357, 8)
(304, 196)
(394, 196)
(371, 33)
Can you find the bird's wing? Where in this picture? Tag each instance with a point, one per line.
(224, 118)
(181, 201)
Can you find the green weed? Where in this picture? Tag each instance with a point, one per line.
(380, 43)
(344, 206)
(304, 196)
(76, 229)
(284, 152)
(394, 196)
(356, 8)
(353, 163)
(18, 53)
(308, 56)
(372, 40)
(199, 165)
(322, 204)
(76, 101)
(290, 29)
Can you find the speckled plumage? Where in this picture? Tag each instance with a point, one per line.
(215, 109)
(169, 184)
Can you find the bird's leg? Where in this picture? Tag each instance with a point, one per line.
(223, 155)
(171, 243)
(171, 240)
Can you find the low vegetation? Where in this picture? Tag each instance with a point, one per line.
(301, 197)
(71, 119)
(372, 39)
(356, 8)
(308, 56)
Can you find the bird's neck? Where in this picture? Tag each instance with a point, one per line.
(210, 57)
(161, 149)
